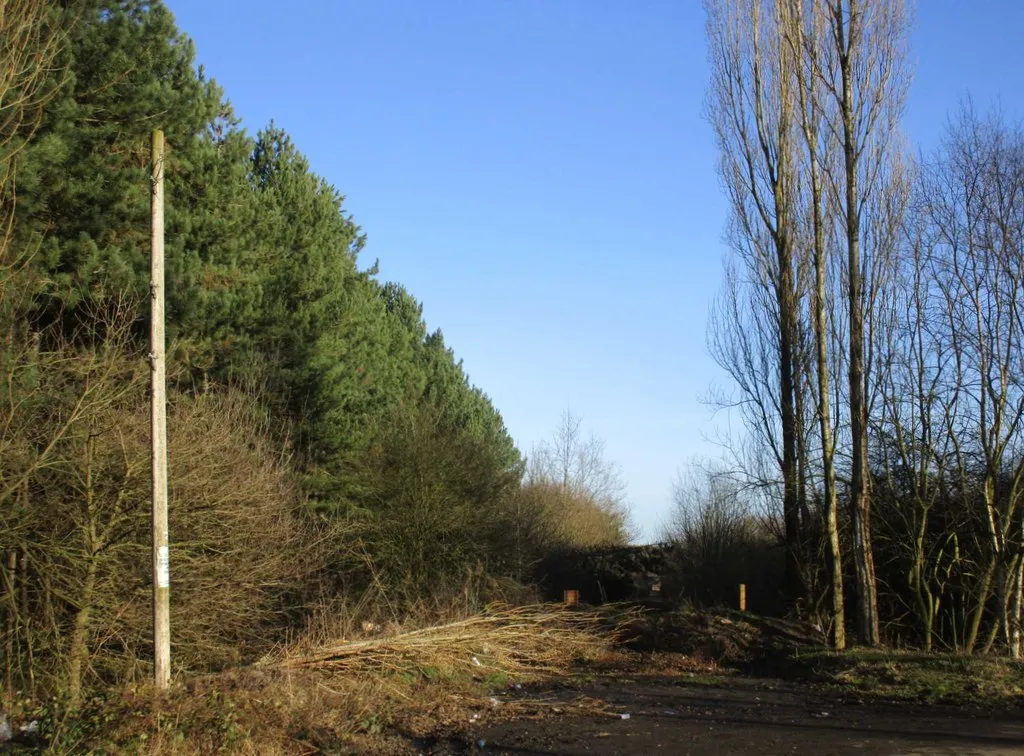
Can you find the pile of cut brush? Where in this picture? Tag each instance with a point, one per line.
(536, 639)
(725, 637)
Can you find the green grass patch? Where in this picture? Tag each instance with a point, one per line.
(918, 676)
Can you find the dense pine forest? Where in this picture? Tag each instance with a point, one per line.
(328, 450)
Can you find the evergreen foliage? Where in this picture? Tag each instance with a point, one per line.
(264, 285)
(324, 441)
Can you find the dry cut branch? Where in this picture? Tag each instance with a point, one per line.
(526, 639)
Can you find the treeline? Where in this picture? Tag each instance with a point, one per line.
(326, 449)
(871, 324)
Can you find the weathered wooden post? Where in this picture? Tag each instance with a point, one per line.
(157, 347)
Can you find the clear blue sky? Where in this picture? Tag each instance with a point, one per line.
(540, 175)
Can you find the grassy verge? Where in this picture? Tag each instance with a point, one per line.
(729, 640)
(910, 675)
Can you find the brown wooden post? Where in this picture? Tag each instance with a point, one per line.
(571, 597)
(743, 597)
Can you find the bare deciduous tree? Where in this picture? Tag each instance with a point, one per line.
(578, 464)
(805, 101)
(803, 31)
(975, 206)
(915, 409)
(722, 540)
(861, 68)
(751, 106)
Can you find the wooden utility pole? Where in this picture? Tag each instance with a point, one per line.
(161, 551)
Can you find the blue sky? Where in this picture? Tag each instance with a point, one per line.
(540, 175)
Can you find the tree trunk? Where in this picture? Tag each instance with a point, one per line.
(79, 647)
(860, 495)
(971, 641)
(993, 633)
(799, 397)
(790, 483)
(1016, 641)
(10, 619)
(805, 48)
(918, 585)
(835, 564)
(786, 295)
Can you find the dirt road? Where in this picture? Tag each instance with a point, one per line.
(737, 715)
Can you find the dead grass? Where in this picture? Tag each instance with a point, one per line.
(374, 695)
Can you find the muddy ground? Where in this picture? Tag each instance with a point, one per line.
(718, 683)
(685, 713)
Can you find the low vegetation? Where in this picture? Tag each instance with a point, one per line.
(913, 675)
(726, 642)
(371, 693)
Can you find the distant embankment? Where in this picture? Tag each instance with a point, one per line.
(625, 573)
